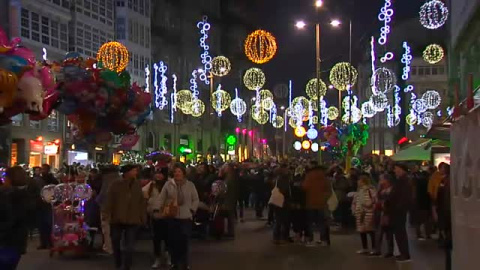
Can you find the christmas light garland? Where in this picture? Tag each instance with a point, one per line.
(147, 79)
(407, 61)
(161, 92)
(433, 14)
(204, 27)
(385, 16)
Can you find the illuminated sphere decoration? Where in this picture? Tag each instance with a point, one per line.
(278, 122)
(312, 134)
(221, 100)
(268, 104)
(314, 147)
(188, 108)
(427, 119)
(198, 108)
(433, 54)
(220, 66)
(260, 47)
(352, 117)
(300, 132)
(314, 105)
(367, 110)
(433, 14)
(312, 91)
(292, 122)
(379, 102)
(420, 105)
(411, 119)
(306, 145)
(343, 76)
(262, 117)
(254, 79)
(113, 56)
(332, 113)
(183, 99)
(297, 145)
(300, 105)
(315, 120)
(383, 81)
(238, 107)
(432, 98)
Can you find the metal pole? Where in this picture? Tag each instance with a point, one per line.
(350, 51)
(317, 65)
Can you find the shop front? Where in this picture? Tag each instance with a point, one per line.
(51, 153)
(36, 153)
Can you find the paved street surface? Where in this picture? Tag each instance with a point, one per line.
(252, 249)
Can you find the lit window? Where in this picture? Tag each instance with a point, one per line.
(34, 124)
(17, 120)
(52, 121)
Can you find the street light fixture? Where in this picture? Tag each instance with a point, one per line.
(335, 23)
(319, 3)
(300, 24)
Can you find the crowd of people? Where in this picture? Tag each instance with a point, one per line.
(298, 197)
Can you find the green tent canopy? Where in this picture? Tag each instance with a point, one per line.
(419, 151)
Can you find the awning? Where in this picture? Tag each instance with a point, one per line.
(420, 151)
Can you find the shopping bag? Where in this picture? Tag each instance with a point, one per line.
(276, 198)
(332, 202)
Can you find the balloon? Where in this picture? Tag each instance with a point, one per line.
(8, 86)
(82, 192)
(63, 192)
(72, 55)
(219, 188)
(129, 141)
(86, 122)
(24, 53)
(67, 106)
(48, 102)
(13, 63)
(30, 89)
(48, 193)
(103, 137)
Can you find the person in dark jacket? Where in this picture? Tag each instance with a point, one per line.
(423, 205)
(396, 206)
(281, 229)
(230, 177)
(13, 218)
(45, 210)
(126, 209)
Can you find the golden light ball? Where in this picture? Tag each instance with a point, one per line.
(278, 122)
(260, 46)
(113, 56)
(262, 117)
(312, 89)
(254, 79)
(221, 100)
(198, 108)
(220, 66)
(343, 76)
(300, 132)
(332, 113)
(433, 54)
(183, 99)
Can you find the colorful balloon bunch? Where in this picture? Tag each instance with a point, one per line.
(24, 83)
(353, 137)
(100, 102)
(330, 135)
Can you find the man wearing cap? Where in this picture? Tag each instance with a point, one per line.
(397, 206)
(127, 212)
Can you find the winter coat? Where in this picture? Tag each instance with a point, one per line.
(363, 208)
(400, 200)
(190, 204)
(14, 218)
(125, 203)
(152, 195)
(107, 180)
(434, 184)
(317, 189)
(233, 193)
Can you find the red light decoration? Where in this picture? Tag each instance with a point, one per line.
(250, 133)
(402, 140)
(237, 130)
(39, 138)
(244, 131)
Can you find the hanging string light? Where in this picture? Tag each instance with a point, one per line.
(198, 108)
(194, 85)
(220, 66)
(312, 89)
(260, 46)
(433, 54)
(161, 92)
(379, 102)
(147, 79)
(173, 99)
(385, 16)
(420, 105)
(372, 55)
(407, 61)
(387, 57)
(113, 56)
(433, 14)
(204, 27)
(254, 79)
(323, 112)
(343, 76)
(397, 109)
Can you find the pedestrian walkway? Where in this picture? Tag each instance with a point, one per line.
(252, 249)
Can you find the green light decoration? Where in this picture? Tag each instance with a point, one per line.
(231, 140)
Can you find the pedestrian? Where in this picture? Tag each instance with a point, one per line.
(281, 229)
(382, 219)
(244, 190)
(363, 208)
(445, 214)
(179, 201)
(396, 206)
(109, 175)
(298, 212)
(127, 212)
(342, 186)
(159, 225)
(230, 177)
(45, 213)
(436, 178)
(422, 205)
(317, 192)
(14, 209)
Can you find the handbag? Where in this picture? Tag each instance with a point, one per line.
(276, 198)
(332, 202)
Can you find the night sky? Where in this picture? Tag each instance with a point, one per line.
(295, 58)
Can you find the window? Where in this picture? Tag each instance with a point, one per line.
(52, 121)
(86, 4)
(34, 124)
(141, 34)
(130, 30)
(141, 6)
(120, 28)
(427, 70)
(434, 71)
(135, 5)
(441, 70)
(130, 4)
(413, 71)
(147, 37)
(147, 8)
(420, 71)
(17, 120)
